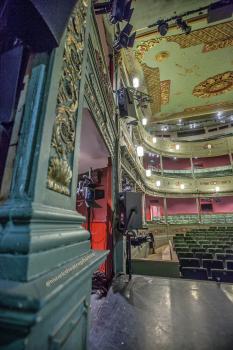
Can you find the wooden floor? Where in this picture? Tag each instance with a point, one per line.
(153, 313)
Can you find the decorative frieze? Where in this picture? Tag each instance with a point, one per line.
(63, 138)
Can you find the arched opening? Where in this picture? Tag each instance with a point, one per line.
(95, 200)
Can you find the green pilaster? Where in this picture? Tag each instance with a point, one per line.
(46, 263)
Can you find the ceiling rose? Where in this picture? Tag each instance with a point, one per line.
(161, 56)
(216, 85)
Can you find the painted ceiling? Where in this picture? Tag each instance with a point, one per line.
(185, 75)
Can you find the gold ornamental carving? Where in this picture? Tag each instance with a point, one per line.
(59, 175)
(63, 138)
(213, 86)
(161, 56)
(152, 79)
(212, 38)
(165, 91)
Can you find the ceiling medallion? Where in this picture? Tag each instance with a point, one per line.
(161, 56)
(213, 86)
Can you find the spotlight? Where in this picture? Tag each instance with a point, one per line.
(177, 147)
(162, 27)
(154, 139)
(158, 183)
(124, 39)
(183, 25)
(182, 186)
(121, 11)
(148, 172)
(209, 146)
(217, 188)
(144, 121)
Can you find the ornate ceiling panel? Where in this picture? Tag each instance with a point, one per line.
(186, 75)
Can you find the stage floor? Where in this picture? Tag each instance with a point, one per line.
(155, 313)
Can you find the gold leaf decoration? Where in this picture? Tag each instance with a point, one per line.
(165, 91)
(213, 86)
(152, 79)
(63, 138)
(59, 175)
(213, 37)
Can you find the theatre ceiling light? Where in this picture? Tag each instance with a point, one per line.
(177, 147)
(144, 121)
(140, 151)
(135, 82)
(217, 188)
(148, 172)
(209, 146)
(158, 183)
(154, 139)
(182, 186)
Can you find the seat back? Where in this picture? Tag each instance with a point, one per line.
(194, 273)
(189, 262)
(185, 255)
(229, 264)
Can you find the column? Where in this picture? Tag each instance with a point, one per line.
(161, 163)
(46, 263)
(165, 208)
(198, 209)
(192, 168)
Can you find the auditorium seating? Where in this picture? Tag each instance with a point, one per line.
(206, 254)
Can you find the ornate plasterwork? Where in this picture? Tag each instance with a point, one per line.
(212, 38)
(145, 46)
(221, 44)
(63, 138)
(165, 91)
(161, 56)
(152, 79)
(213, 86)
(198, 110)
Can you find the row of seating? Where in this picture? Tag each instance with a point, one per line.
(206, 254)
(199, 273)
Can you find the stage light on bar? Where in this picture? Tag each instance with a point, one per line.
(140, 151)
(177, 147)
(148, 172)
(217, 188)
(158, 183)
(154, 139)
(144, 121)
(209, 146)
(182, 186)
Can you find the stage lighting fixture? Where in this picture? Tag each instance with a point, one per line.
(177, 147)
(217, 188)
(183, 25)
(154, 139)
(162, 27)
(124, 39)
(182, 186)
(158, 183)
(121, 11)
(148, 172)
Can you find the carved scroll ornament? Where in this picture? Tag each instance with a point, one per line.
(63, 138)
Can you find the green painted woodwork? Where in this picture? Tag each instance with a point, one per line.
(46, 263)
(155, 268)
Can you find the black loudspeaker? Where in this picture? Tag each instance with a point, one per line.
(38, 23)
(220, 10)
(130, 205)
